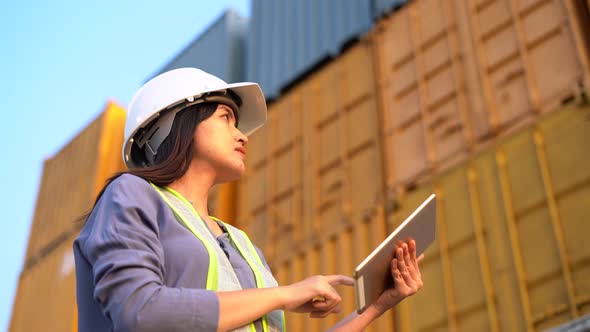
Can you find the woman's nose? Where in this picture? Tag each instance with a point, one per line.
(242, 138)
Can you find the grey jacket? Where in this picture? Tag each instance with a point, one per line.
(139, 269)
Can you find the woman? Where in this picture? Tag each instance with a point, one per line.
(150, 258)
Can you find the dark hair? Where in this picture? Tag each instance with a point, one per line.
(174, 154)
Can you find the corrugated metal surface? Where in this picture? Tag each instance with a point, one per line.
(288, 38)
(324, 131)
(220, 50)
(526, 56)
(71, 179)
(272, 186)
(341, 141)
(338, 251)
(424, 96)
(511, 221)
(252, 192)
(46, 294)
(313, 178)
(509, 254)
(456, 74)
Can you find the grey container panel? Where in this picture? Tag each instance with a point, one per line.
(288, 38)
(219, 50)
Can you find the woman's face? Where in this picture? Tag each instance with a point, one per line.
(220, 146)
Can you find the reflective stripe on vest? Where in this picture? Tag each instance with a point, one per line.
(220, 273)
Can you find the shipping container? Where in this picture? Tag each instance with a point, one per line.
(272, 186)
(526, 55)
(306, 169)
(422, 76)
(454, 76)
(70, 182)
(219, 50)
(289, 38)
(313, 179)
(252, 188)
(511, 223)
(341, 142)
(72, 178)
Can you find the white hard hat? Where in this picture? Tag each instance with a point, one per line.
(174, 90)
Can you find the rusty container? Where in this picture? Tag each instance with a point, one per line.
(316, 163)
(511, 223)
(454, 76)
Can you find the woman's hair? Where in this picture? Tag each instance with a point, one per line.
(174, 154)
(176, 151)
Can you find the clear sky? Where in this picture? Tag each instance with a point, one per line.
(60, 62)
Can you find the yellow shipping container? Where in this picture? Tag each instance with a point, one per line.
(306, 169)
(512, 221)
(508, 255)
(72, 177)
(313, 178)
(71, 180)
(46, 294)
(454, 75)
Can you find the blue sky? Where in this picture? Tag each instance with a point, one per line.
(60, 62)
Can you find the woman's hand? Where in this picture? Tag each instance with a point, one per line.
(315, 295)
(406, 276)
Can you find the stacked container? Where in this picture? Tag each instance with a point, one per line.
(481, 102)
(310, 196)
(511, 223)
(70, 182)
(455, 75)
(219, 50)
(484, 103)
(288, 39)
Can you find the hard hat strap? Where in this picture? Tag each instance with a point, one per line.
(157, 133)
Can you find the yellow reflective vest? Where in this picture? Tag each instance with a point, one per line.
(220, 274)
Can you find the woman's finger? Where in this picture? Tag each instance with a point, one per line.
(319, 304)
(324, 312)
(327, 293)
(332, 297)
(411, 265)
(407, 277)
(339, 279)
(395, 272)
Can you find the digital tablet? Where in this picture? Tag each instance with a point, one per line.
(373, 275)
